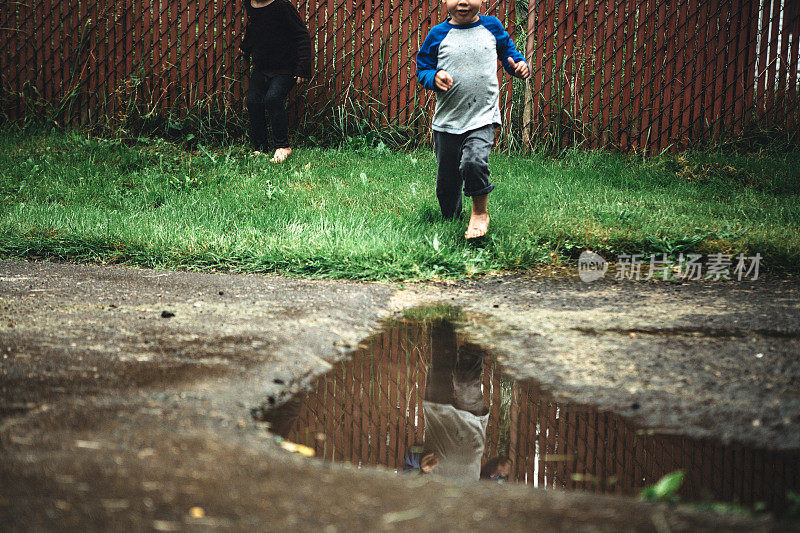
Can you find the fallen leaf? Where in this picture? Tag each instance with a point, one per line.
(297, 448)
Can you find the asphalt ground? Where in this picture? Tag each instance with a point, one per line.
(125, 394)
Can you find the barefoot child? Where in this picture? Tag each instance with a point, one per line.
(458, 60)
(277, 39)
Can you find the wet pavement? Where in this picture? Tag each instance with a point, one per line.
(126, 399)
(419, 389)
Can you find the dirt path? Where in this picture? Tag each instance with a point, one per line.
(125, 393)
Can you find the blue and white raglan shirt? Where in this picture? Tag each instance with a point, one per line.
(469, 53)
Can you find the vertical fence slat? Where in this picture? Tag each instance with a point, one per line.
(615, 89)
(48, 64)
(672, 115)
(667, 64)
(561, 449)
(64, 55)
(704, 57)
(640, 81)
(659, 57)
(383, 401)
(367, 401)
(588, 67)
(629, 59)
(532, 53)
(731, 41)
(783, 68)
(394, 413)
(9, 49)
(514, 432)
(570, 70)
(598, 72)
(403, 80)
(560, 75)
(358, 46)
(129, 13)
(772, 60)
(682, 106)
(543, 77)
(610, 451)
(168, 41)
(717, 93)
(794, 68)
(609, 58)
(413, 46)
(580, 55)
(392, 60)
(530, 435)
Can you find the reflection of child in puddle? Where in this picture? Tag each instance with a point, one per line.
(455, 412)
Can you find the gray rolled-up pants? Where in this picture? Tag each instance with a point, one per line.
(463, 160)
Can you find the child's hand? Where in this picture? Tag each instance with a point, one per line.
(443, 80)
(520, 69)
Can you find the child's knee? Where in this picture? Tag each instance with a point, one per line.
(254, 100)
(472, 166)
(272, 100)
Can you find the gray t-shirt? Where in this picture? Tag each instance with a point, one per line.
(457, 437)
(469, 53)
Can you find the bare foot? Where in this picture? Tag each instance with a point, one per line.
(479, 220)
(280, 155)
(478, 226)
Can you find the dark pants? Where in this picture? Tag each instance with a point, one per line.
(463, 162)
(268, 93)
(454, 376)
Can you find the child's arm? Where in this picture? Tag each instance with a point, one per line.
(513, 62)
(302, 39)
(428, 73)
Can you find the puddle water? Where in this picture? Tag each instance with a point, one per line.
(418, 395)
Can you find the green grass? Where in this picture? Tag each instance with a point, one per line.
(372, 214)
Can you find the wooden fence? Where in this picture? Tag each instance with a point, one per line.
(632, 74)
(368, 412)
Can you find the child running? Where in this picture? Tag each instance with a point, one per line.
(458, 60)
(277, 39)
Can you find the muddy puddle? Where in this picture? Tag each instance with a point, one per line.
(418, 397)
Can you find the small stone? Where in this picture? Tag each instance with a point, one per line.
(221, 293)
(197, 512)
(759, 355)
(62, 505)
(757, 423)
(167, 314)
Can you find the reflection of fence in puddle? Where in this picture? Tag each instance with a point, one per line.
(368, 411)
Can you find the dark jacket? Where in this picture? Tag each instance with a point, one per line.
(277, 39)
